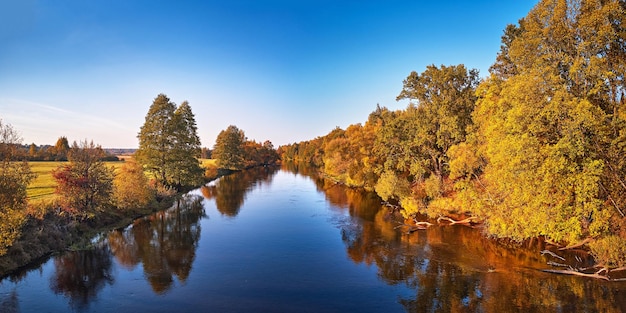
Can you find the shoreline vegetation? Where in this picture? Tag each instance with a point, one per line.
(50, 207)
(533, 151)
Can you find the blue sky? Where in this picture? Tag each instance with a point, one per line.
(284, 71)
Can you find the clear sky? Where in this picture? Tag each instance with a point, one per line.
(284, 71)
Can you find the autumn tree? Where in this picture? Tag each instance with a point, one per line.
(546, 157)
(14, 179)
(442, 103)
(169, 146)
(412, 144)
(229, 149)
(268, 154)
(61, 148)
(84, 185)
(130, 187)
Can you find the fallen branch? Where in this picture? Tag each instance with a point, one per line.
(558, 264)
(623, 268)
(577, 273)
(466, 221)
(416, 227)
(552, 254)
(427, 224)
(413, 229)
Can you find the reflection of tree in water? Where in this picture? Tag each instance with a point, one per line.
(9, 303)
(230, 191)
(456, 268)
(80, 275)
(165, 243)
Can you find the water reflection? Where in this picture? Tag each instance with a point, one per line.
(164, 243)
(230, 191)
(9, 302)
(456, 268)
(80, 275)
(302, 266)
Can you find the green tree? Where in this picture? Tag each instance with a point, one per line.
(169, 146)
(14, 179)
(229, 149)
(184, 165)
(85, 185)
(156, 138)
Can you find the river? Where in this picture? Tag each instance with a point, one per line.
(277, 240)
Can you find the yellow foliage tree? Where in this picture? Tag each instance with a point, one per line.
(14, 179)
(131, 189)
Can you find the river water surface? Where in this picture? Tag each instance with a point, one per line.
(270, 240)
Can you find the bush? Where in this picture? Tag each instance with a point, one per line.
(130, 187)
(609, 251)
(210, 171)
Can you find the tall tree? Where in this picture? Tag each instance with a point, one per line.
(169, 146)
(85, 185)
(444, 100)
(185, 166)
(156, 138)
(229, 149)
(549, 138)
(14, 179)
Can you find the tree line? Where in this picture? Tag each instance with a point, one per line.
(57, 152)
(534, 150)
(91, 193)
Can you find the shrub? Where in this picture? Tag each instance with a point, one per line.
(130, 187)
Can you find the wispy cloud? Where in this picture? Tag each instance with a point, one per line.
(43, 123)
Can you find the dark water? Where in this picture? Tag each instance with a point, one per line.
(269, 240)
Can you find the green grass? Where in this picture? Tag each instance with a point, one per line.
(42, 187)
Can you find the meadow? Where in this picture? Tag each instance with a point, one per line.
(43, 186)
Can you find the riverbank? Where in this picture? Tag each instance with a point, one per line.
(48, 231)
(51, 233)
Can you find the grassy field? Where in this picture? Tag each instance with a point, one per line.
(42, 188)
